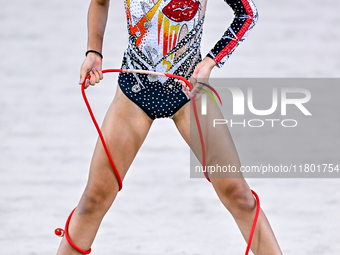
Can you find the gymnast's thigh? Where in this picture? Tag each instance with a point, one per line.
(219, 145)
(124, 128)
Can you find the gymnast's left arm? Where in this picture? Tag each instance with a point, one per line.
(245, 18)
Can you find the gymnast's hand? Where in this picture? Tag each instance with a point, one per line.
(200, 77)
(92, 66)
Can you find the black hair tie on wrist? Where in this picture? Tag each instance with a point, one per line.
(87, 52)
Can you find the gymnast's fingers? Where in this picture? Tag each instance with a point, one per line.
(96, 75)
(87, 83)
(92, 78)
(100, 73)
(197, 90)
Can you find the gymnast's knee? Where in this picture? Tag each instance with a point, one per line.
(96, 200)
(237, 198)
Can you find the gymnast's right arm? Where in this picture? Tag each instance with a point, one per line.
(96, 23)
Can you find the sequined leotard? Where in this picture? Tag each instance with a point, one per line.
(165, 36)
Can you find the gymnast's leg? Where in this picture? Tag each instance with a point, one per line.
(234, 192)
(124, 128)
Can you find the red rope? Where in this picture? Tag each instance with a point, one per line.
(255, 221)
(61, 232)
(100, 132)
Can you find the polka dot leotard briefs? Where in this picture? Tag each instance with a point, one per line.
(165, 36)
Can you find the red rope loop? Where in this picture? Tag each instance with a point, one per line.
(60, 232)
(100, 132)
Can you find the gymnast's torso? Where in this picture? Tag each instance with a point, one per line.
(165, 36)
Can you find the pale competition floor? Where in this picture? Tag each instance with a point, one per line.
(47, 138)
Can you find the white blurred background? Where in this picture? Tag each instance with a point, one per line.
(47, 137)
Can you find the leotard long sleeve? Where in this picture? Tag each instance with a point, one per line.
(246, 16)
